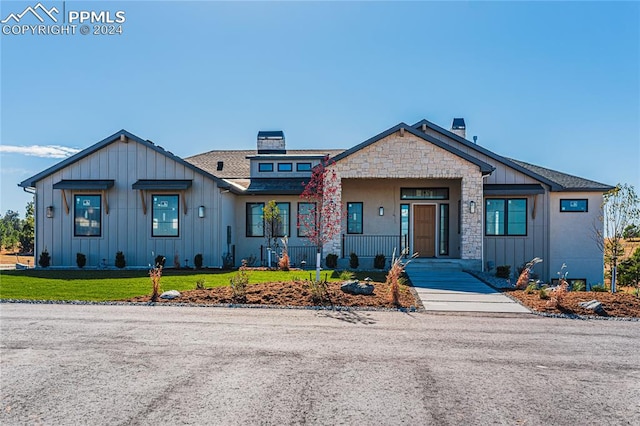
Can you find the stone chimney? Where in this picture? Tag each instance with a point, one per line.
(458, 127)
(271, 142)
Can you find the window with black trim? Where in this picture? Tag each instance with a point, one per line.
(306, 219)
(506, 216)
(404, 226)
(443, 234)
(424, 193)
(574, 206)
(265, 167)
(255, 220)
(303, 167)
(354, 218)
(165, 213)
(87, 215)
(285, 167)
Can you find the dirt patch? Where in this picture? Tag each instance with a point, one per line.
(615, 305)
(11, 258)
(292, 294)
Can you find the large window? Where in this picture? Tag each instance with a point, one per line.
(265, 167)
(255, 220)
(506, 216)
(303, 167)
(87, 216)
(354, 218)
(165, 213)
(285, 167)
(306, 219)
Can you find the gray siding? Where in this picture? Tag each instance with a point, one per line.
(125, 228)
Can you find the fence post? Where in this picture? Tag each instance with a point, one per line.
(342, 245)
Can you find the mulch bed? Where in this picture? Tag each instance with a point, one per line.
(615, 305)
(294, 293)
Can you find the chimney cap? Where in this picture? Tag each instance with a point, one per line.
(458, 123)
(270, 134)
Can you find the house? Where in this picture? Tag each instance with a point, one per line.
(416, 187)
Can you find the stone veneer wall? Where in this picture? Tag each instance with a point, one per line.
(411, 157)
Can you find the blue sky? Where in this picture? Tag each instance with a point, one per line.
(554, 84)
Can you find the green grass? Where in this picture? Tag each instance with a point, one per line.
(98, 286)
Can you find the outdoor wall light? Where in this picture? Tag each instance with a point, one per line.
(49, 212)
(381, 211)
(201, 211)
(472, 206)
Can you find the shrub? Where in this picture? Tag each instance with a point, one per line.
(578, 285)
(176, 261)
(284, 263)
(197, 261)
(543, 294)
(318, 289)
(155, 273)
(600, 288)
(558, 294)
(200, 284)
(531, 288)
(347, 275)
(81, 260)
(331, 261)
(227, 261)
(239, 283)
(160, 261)
(379, 261)
(395, 278)
(354, 262)
(503, 271)
(44, 260)
(120, 262)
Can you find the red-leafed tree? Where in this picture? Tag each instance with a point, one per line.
(321, 219)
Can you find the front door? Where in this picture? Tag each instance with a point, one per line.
(424, 230)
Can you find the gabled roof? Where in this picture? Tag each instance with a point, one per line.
(484, 167)
(566, 181)
(30, 182)
(557, 181)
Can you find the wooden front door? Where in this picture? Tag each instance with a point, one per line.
(424, 230)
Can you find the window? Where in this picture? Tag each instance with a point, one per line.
(574, 205)
(404, 227)
(443, 234)
(165, 213)
(506, 216)
(424, 193)
(255, 220)
(306, 219)
(354, 218)
(285, 221)
(265, 167)
(303, 167)
(87, 216)
(285, 167)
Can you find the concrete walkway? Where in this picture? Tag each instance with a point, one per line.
(448, 289)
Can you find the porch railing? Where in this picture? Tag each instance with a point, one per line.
(297, 254)
(371, 245)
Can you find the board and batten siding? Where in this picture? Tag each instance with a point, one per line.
(126, 228)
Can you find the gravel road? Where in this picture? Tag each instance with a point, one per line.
(142, 365)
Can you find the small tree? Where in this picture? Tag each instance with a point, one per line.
(27, 231)
(323, 220)
(272, 225)
(620, 208)
(629, 270)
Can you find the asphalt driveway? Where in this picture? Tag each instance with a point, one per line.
(65, 364)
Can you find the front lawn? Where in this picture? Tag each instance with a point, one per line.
(101, 286)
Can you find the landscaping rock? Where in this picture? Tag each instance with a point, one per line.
(171, 294)
(593, 305)
(356, 287)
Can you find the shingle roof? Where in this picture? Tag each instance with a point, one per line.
(236, 165)
(566, 181)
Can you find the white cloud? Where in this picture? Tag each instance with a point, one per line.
(44, 151)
